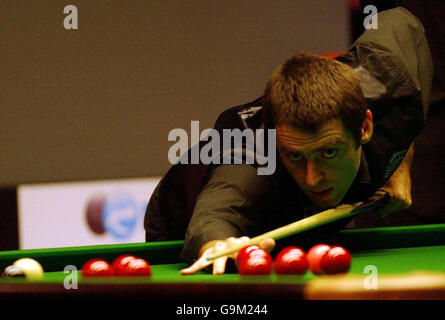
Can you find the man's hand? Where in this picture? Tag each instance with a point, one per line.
(219, 264)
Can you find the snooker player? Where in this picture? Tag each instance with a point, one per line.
(344, 133)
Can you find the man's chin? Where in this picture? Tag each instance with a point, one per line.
(324, 200)
(326, 204)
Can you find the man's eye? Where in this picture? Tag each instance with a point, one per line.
(294, 157)
(329, 153)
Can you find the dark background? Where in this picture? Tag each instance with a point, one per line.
(99, 102)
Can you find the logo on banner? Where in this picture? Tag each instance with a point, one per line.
(116, 215)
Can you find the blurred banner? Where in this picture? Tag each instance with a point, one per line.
(83, 213)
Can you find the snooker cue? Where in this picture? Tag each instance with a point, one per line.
(319, 219)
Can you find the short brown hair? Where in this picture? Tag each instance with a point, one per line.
(308, 90)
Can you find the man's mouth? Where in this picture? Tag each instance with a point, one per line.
(320, 195)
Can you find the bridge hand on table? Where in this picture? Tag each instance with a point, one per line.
(219, 264)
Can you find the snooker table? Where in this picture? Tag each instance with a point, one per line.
(410, 264)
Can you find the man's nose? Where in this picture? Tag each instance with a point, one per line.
(313, 176)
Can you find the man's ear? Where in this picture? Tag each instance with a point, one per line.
(367, 128)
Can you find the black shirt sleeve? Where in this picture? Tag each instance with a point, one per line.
(224, 207)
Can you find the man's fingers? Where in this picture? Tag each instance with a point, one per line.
(219, 265)
(187, 271)
(380, 194)
(235, 242)
(395, 203)
(199, 264)
(267, 244)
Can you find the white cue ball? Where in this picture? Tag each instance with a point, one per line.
(31, 268)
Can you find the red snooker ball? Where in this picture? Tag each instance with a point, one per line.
(258, 263)
(136, 267)
(314, 256)
(245, 252)
(336, 260)
(119, 263)
(291, 260)
(97, 268)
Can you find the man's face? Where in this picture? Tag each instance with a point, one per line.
(324, 163)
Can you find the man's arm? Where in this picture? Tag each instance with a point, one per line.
(223, 214)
